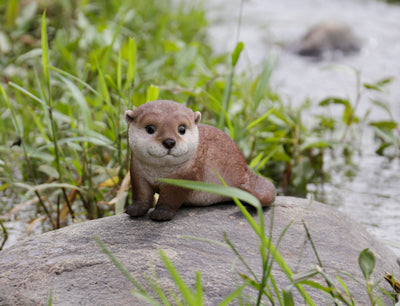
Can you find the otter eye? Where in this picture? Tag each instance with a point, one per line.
(181, 129)
(150, 129)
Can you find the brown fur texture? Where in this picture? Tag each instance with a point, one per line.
(167, 141)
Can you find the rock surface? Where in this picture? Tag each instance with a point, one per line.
(71, 265)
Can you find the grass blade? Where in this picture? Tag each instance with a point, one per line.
(103, 85)
(187, 294)
(120, 266)
(235, 294)
(45, 50)
(11, 13)
(47, 186)
(79, 98)
(263, 83)
(260, 119)
(199, 289)
(29, 94)
(131, 62)
(152, 93)
(71, 76)
(216, 189)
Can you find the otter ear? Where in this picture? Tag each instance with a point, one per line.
(129, 116)
(197, 117)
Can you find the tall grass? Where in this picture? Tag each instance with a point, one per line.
(68, 109)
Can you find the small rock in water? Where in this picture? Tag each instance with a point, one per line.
(328, 37)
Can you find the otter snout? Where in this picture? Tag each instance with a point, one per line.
(168, 143)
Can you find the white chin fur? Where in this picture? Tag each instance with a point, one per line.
(166, 159)
(168, 155)
(160, 151)
(159, 156)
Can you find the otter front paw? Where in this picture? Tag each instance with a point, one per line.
(162, 214)
(136, 210)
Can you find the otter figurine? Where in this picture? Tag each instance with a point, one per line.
(168, 141)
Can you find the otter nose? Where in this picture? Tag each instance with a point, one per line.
(168, 143)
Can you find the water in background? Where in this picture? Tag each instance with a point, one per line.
(372, 196)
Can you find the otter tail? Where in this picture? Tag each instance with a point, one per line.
(263, 190)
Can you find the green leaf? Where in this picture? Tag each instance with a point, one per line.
(62, 72)
(372, 86)
(335, 100)
(29, 94)
(389, 124)
(50, 302)
(381, 150)
(216, 189)
(119, 71)
(348, 113)
(90, 139)
(231, 297)
(11, 12)
(311, 142)
(236, 53)
(378, 85)
(131, 61)
(199, 289)
(187, 294)
(254, 283)
(46, 186)
(382, 105)
(103, 85)
(284, 117)
(316, 285)
(152, 93)
(260, 119)
(226, 97)
(303, 276)
(124, 270)
(288, 297)
(280, 155)
(45, 50)
(256, 160)
(49, 170)
(79, 98)
(263, 82)
(366, 260)
(4, 186)
(345, 288)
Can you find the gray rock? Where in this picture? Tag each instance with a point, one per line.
(71, 265)
(327, 38)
